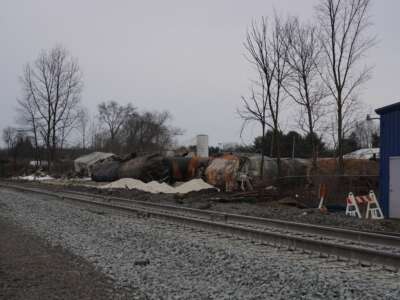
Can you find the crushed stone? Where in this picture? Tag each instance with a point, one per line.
(169, 261)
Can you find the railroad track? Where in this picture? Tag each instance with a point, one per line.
(366, 247)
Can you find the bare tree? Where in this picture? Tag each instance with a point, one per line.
(255, 109)
(82, 124)
(67, 124)
(93, 131)
(14, 138)
(113, 116)
(149, 132)
(52, 86)
(267, 51)
(10, 135)
(28, 117)
(282, 72)
(344, 40)
(304, 85)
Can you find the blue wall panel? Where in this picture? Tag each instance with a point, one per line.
(389, 146)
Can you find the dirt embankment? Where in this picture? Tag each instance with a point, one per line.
(31, 269)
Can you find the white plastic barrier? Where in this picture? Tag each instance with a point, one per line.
(373, 210)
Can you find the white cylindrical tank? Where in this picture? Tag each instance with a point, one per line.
(202, 145)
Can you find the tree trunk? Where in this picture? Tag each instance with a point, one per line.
(313, 144)
(277, 150)
(340, 140)
(314, 150)
(48, 150)
(53, 143)
(310, 123)
(262, 152)
(15, 154)
(36, 145)
(271, 150)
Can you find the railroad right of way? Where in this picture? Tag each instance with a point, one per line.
(165, 259)
(365, 247)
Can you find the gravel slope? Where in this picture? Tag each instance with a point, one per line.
(32, 269)
(166, 261)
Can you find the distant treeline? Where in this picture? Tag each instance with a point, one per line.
(297, 145)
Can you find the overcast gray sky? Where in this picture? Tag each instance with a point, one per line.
(182, 56)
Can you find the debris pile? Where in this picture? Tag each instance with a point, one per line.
(328, 166)
(146, 168)
(186, 168)
(253, 166)
(155, 173)
(222, 172)
(106, 170)
(83, 165)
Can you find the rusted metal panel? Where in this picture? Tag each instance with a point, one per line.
(186, 168)
(222, 172)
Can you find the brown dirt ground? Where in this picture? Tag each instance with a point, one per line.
(32, 269)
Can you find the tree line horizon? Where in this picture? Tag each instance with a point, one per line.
(315, 65)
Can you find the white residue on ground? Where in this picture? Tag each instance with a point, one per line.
(155, 187)
(35, 178)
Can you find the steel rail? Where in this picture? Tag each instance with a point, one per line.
(369, 256)
(381, 239)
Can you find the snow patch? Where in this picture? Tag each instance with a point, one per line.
(35, 177)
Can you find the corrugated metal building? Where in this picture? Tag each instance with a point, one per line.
(390, 160)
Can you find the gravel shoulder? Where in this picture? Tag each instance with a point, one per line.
(169, 261)
(30, 268)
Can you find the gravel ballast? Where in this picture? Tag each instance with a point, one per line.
(32, 269)
(169, 261)
(225, 202)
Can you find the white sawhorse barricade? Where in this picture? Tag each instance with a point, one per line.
(373, 209)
